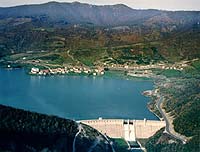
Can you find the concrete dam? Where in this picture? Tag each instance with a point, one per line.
(130, 130)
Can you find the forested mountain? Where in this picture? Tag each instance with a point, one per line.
(97, 15)
(89, 30)
(27, 131)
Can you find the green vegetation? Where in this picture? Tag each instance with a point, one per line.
(152, 107)
(94, 46)
(196, 65)
(120, 145)
(115, 74)
(171, 73)
(142, 142)
(33, 130)
(36, 41)
(182, 101)
(26, 131)
(163, 142)
(88, 56)
(123, 74)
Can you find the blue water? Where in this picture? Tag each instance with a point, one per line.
(75, 97)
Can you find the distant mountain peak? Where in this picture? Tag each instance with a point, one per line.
(76, 2)
(121, 5)
(103, 15)
(52, 2)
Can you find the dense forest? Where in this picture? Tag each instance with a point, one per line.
(26, 131)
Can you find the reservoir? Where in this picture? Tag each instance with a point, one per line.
(75, 97)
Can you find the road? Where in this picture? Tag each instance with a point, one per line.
(168, 127)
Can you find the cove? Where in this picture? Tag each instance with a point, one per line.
(75, 97)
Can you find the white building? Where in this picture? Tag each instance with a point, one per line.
(35, 70)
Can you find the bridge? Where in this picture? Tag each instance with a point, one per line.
(130, 130)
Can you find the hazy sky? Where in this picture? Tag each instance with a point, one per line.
(143, 4)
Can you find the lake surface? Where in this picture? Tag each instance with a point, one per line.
(75, 97)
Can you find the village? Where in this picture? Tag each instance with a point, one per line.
(66, 70)
(135, 71)
(179, 66)
(132, 70)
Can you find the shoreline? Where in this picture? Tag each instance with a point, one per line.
(110, 74)
(171, 130)
(158, 102)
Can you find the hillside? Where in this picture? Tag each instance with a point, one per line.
(25, 131)
(182, 103)
(107, 15)
(98, 33)
(75, 34)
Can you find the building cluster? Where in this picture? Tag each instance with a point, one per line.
(177, 66)
(150, 93)
(161, 66)
(140, 73)
(66, 70)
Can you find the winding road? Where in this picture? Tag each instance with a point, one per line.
(168, 125)
(80, 128)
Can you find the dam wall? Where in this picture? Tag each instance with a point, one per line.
(147, 128)
(130, 130)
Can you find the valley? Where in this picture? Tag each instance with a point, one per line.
(80, 61)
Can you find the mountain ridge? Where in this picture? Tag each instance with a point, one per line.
(103, 15)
